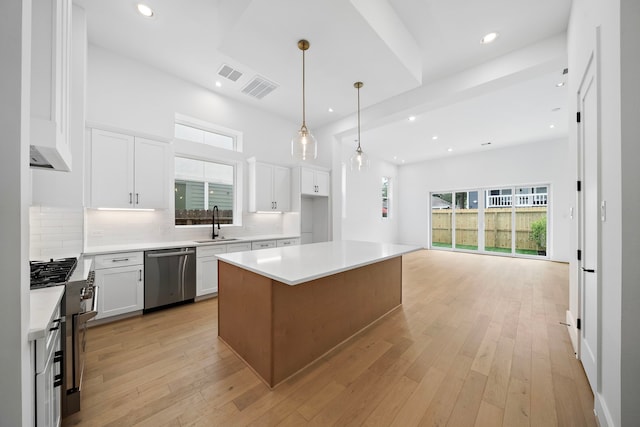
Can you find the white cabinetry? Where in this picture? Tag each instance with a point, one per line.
(207, 265)
(314, 182)
(47, 360)
(269, 187)
(120, 279)
(127, 171)
(50, 69)
(207, 268)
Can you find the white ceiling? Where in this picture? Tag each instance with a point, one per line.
(397, 47)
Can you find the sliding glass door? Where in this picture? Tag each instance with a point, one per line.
(508, 220)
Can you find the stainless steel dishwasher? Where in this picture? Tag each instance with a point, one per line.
(169, 277)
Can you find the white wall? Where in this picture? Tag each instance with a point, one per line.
(618, 394)
(361, 204)
(537, 163)
(16, 384)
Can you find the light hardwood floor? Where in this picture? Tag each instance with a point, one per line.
(477, 342)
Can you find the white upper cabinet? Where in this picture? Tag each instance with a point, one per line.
(127, 171)
(50, 84)
(269, 187)
(314, 182)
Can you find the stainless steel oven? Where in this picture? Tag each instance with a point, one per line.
(80, 305)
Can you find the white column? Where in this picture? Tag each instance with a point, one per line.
(15, 46)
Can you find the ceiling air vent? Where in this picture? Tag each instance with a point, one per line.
(259, 87)
(230, 73)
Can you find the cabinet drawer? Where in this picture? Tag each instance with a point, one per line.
(263, 244)
(239, 247)
(118, 260)
(204, 251)
(287, 242)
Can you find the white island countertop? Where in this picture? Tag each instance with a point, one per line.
(293, 265)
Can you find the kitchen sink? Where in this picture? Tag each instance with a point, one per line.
(215, 240)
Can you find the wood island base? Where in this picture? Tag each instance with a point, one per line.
(279, 329)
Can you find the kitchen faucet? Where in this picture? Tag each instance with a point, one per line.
(213, 222)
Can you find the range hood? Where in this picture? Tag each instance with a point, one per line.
(46, 152)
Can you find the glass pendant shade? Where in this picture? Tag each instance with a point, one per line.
(359, 161)
(303, 145)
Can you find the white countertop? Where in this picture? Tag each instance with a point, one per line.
(133, 247)
(298, 264)
(43, 304)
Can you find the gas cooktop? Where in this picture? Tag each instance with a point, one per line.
(52, 272)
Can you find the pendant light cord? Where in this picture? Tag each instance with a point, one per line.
(359, 149)
(304, 124)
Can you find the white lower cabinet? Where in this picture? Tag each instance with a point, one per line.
(207, 268)
(47, 362)
(120, 282)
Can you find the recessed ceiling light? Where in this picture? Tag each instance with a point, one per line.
(559, 84)
(551, 126)
(218, 84)
(330, 110)
(402, 160)
(449, 149)
(395, 157)
(488, 38)
(145, 10)
(412, 118)
(434, 137)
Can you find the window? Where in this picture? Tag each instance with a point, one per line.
(199, 186)
(386, 196)
(510, 220)
(194, 130)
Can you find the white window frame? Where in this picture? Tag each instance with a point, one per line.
(237, 190)
(182, 119)
(389, 196)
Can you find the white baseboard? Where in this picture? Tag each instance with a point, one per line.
(603, 416)
(573, 331)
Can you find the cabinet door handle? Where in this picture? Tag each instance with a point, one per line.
(56, 325)
(137, 198)
(276, 204)
(58, 357)
(130, 198)
(139, 275)
(120, 259)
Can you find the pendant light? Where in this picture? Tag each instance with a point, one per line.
(359, 161)
(303, 144)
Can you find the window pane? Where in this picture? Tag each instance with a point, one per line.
(466, 220)
(201, 185)
(202, 136)
(385, 197)
(497, 220)
(441, 220)
(531, 221)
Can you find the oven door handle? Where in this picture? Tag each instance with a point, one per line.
(88, 315)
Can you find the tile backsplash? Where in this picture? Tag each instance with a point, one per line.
(58, 232)
(55, 232)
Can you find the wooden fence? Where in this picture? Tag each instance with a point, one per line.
(199, 216)
(497, 226)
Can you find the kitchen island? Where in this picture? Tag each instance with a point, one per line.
(281, 309)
